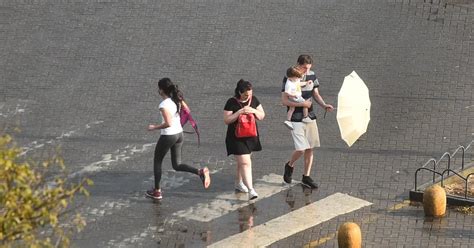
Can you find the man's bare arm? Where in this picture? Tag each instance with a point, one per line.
(285, 101)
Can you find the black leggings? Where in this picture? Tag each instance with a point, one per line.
(165, 143)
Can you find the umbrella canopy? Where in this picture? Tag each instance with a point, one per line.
(353, 108)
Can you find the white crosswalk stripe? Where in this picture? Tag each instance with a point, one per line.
(114, 158)
(11, 109)
(65, 134)
(262, 235)
(266, 186)
(227, 202)
(293, 222)
(170, 179)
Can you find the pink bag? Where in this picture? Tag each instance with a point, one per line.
(185, 116)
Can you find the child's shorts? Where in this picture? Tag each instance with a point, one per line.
(297, 99)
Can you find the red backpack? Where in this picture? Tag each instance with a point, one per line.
(245, 125)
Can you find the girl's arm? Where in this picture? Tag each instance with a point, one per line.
(167, 121)
(230, 117)
(259, 112)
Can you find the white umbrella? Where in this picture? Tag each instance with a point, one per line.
(353, 108)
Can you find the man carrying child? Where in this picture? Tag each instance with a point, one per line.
(305, 134)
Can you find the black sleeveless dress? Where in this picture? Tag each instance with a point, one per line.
(240, 146)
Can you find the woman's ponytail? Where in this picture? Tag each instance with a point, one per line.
(176, 95)
(172, 91)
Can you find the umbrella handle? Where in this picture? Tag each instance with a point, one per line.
(326, 111)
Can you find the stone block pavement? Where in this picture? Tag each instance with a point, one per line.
(82, 74)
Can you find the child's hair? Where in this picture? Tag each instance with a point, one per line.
(172, 91)
(293, 72)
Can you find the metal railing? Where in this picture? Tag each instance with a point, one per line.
(448, 170)
(466, 180)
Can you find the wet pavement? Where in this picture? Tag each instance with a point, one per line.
(82, 75)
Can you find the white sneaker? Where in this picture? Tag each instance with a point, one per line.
(288, 125)
(240, 186)
(307, 120)
(252, 194)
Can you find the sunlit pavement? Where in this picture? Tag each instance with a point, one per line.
(82, 75)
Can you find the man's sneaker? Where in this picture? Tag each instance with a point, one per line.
(240, 187)
(308, 182)
(307, 120)
(252, 194)
(205, 177)
(154, 194)
(288, 125)
(288, 173)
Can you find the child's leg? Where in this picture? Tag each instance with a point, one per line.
(290, 113)
(288, 118)
(305, 112)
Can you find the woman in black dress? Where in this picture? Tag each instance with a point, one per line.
(242, 148)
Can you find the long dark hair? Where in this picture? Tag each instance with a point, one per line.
(172, 91)
(241, 87)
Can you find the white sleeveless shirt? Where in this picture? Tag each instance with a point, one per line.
(175, 125)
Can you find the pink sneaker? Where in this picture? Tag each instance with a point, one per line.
(154, 194)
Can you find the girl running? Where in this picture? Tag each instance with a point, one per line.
(171, 137)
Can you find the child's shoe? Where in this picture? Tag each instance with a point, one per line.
(288, 125)
(307, 120)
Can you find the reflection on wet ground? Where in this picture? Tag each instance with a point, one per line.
(291, 196)
(245, 215)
